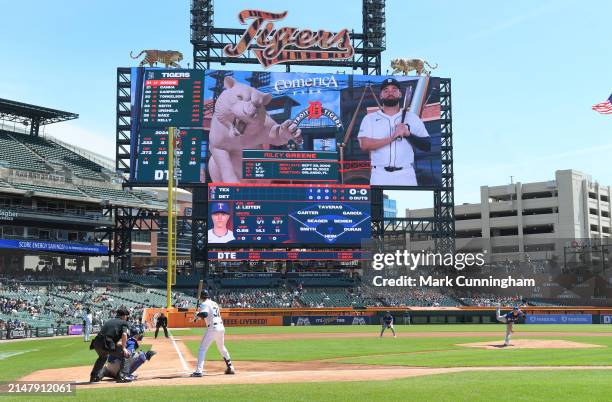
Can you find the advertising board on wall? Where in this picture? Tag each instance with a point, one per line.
(559, 319)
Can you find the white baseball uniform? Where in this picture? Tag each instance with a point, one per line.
(88, 318)
(215, 332)
(399, 153)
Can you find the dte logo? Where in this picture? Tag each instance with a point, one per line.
(226, 255)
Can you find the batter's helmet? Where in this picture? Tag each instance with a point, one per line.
(204, 294)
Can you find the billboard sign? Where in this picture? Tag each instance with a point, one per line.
(273, 45)
(40, 245)
(75, 329)
(330, 320)
(559, 319)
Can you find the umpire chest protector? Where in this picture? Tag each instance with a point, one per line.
(111, 333)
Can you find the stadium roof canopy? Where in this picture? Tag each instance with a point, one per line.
(32, 115)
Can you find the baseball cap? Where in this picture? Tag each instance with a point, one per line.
(516, 307)
(220, 207)
(389, 81)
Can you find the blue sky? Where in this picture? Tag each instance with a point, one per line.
(524, 73)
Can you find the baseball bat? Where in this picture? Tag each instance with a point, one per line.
(200, 287)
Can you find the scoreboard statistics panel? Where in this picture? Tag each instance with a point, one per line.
(163, 98)
(153, 155)
(309, 214)
(290, 165)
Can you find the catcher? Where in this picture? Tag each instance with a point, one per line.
(509, 319)
(137, 358)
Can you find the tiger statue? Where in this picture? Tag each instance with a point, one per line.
(168, 57)
(407, 65)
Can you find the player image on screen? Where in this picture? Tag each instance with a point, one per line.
(390, 136)
(220, 233)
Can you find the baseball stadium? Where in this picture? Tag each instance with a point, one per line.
(257, 209)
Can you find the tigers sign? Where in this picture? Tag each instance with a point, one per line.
(278, 45)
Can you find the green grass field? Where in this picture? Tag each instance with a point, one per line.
(20, 358)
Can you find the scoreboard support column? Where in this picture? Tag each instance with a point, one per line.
(171, 262)
(199, 230)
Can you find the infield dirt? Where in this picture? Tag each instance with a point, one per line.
(173, 364)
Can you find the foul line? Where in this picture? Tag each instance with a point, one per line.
(180, 354)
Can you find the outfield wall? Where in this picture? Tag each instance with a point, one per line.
(344, 316)
(373, 315)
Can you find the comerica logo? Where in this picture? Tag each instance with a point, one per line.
(326, 82)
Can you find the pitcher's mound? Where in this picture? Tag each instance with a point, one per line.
(531, 344)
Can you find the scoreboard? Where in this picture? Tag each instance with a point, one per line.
(163, 98)
(298, 214)
(153, 155)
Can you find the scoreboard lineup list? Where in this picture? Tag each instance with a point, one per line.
(170, 99)
(295, 214)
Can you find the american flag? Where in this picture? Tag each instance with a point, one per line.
(604, 107)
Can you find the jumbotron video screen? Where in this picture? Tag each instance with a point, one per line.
(286, 128)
